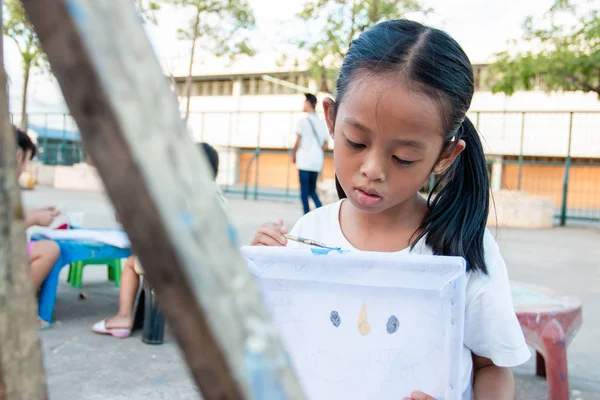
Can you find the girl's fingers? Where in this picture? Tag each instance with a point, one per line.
(266, 240)
(273, 231)
(282, 228)
(270, 234)
(416, 395)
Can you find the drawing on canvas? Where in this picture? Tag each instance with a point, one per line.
(362, 325)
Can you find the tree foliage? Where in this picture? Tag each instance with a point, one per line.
(215, 26)
(564, 52)
(17, 27)
(148, 9)
(341, 21)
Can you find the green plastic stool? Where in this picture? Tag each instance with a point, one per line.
(75, 277)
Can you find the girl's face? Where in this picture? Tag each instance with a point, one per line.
(22, 158)
(387, 141)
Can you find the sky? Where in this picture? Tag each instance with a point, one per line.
(482, 27)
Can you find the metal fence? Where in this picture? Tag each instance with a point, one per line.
(57, 137)
(555, 154)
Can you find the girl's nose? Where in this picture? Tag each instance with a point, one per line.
(373, 168)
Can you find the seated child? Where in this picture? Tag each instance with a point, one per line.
(43, 254)
(120, 324)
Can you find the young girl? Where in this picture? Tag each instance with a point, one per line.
(400, 114)
(120, 325)
(43, 254)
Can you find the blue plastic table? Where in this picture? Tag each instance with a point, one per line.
(71, 251)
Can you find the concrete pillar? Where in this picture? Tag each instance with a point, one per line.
(313, 86)
(496, 178)
(237, 87)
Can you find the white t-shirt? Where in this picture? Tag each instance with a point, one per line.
(309, 156)
(491, 326)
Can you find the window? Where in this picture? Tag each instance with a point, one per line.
(481, 77)
(258, 86)
(196, 88)
(477, 77)
(219, 87)
(264, 87)
(227, 88)
(216, 88)
(180, 88)
(249, 86)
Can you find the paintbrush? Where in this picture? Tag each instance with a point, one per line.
(310, 242)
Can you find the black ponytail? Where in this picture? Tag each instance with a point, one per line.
(457, 217)
(431, 62)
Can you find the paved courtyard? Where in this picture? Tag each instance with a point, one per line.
(81, 365)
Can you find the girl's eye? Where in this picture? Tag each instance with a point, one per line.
(355, 145)
(401, 161)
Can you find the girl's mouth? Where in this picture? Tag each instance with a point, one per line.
(367, 199)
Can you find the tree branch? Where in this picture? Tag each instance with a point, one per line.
(352, 23)
(583, 84)
(17, 43)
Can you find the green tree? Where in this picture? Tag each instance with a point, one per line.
(16, 26)
(216, 26)
(564, 52)
(148, 9)
(342, 21)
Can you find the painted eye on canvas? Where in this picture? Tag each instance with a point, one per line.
(335, 318)
(392, 324)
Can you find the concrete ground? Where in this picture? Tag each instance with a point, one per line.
(82, 365)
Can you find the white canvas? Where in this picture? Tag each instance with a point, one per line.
(111, 237)
(362, 325)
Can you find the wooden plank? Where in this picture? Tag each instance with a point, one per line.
(160, 185)
(21, 372)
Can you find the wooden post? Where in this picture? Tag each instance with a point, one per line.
(21, 373)
(160, 185)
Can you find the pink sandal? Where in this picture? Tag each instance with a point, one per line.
(100, 327)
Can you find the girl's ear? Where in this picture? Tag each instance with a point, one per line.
(329, 108)
(448, 156)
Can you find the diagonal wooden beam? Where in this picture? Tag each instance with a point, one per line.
(21, 372)
(160, 186)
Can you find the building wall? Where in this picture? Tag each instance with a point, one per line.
(547, 180)
(536, 123)
(276, 171)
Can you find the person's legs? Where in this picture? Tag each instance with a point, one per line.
(313, 188)
(304, 189)
(130, 283)
(43, 255)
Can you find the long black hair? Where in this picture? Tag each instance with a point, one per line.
(212, 156)
(430, 61)
(24, 142)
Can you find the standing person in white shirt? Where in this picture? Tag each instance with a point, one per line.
(399, 115)
(309, 151)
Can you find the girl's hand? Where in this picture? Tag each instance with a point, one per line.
(419, 396)
(42, 209)
(45, 217)
(270, 234)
